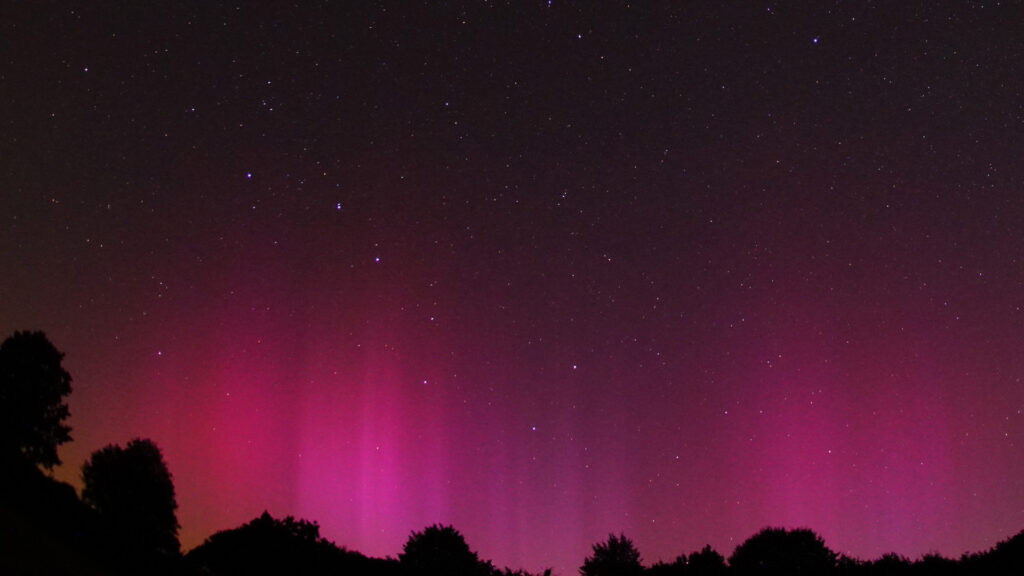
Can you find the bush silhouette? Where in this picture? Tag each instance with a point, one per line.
(616, 557)
(780, 551)
(133, 492)
(441, 551)
(33, 385)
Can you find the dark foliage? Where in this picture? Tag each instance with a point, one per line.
(676, 568)
(268, 546)
(133, 492)
(935, 565)
(40, 516)
(441, 551)
(47, 530)
(890, 564)
(849, 566)
(616, 557)
(700, 563)
(33, 385)
(780, 551)
(705, 562)
(1006, 558)
(508, 572)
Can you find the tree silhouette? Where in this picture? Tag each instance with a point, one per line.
(706, 562)
(1006, 557)
(934, 564)
(441, 551)
(781, 551)
(890, 564)
(616, 557)
(676, 568)
(133, 492)
(267, 545)
(850, 566)
(509, 572)
(33, 385)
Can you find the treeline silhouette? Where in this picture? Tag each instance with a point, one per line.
(125, 521)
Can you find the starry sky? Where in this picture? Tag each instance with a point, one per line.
(540, 270)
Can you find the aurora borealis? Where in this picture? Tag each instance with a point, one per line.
(542, 270)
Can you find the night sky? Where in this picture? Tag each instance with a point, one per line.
(540, 270)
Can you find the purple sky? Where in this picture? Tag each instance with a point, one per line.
(543, 272)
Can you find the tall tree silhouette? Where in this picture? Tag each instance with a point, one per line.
(33, 385)
(781, 551)
(441, 551)
(133, 492)
(616, 557)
